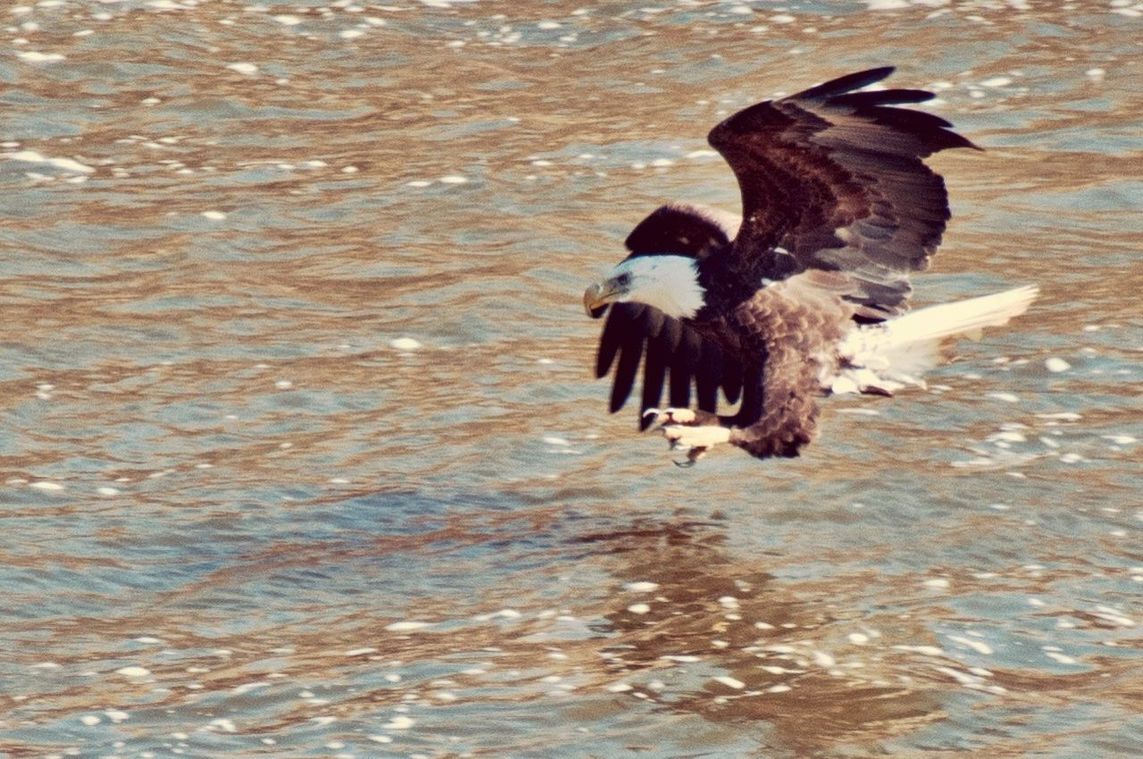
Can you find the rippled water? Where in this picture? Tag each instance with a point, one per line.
(302, 457)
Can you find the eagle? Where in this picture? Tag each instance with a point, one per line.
(806, 294)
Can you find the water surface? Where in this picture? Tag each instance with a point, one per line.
(300, 451)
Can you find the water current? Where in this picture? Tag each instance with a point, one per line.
(300, 451)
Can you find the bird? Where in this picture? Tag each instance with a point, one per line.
(806, 293)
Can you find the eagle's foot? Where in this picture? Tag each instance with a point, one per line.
(695, 432)
(690, 417)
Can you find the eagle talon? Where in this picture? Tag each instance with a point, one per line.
(694, 453)
(696, 440)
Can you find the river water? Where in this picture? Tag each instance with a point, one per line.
(301, 454)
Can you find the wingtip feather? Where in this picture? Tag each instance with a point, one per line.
(847, 83)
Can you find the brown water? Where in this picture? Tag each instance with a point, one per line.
(238, 520)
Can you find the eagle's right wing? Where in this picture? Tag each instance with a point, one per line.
(674, 356)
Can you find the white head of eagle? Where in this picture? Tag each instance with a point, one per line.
(666, 282)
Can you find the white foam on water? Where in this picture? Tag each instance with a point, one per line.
(64, 164)
(407, 626)
(45, 485)
(238, 690)
(1006, 397)
(923, 650)
(360, 651)
(1056, 365)
(404, 344)
(976, 645)
(964, 678)
(639, 608)
(34, 56)
(90, 720)
(642, 586)
(1060, 658)
(248, 69)
(822, 659)
(133, 671)
(214, 215)
(400, 722)
(1063, 416)
(730, 682)
(1121, 439)
(1114, 616)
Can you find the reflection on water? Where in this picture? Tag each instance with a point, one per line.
(301, 455)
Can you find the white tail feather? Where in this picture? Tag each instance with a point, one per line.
(948, 319)
(899, 350)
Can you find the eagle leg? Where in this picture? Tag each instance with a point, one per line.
(695, 432)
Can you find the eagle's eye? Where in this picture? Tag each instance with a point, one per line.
(624, 279)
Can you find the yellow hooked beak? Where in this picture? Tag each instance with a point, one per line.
(597, 297)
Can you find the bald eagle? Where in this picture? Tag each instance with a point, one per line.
(807, 293)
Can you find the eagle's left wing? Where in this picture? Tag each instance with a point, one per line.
(834, 179)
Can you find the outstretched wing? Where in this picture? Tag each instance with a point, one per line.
(674, 356)
(834, 179)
